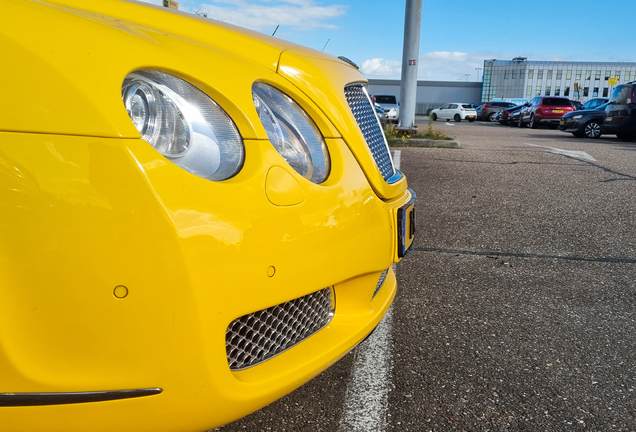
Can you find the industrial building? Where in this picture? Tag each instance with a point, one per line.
(522, 79)
(518, 80)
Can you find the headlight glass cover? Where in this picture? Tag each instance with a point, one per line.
(184, 124)
(292, 132)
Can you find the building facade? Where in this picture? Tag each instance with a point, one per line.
(522, 79)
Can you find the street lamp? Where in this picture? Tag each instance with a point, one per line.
(466, 75)
(478, 70)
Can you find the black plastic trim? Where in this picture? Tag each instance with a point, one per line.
(39, 399)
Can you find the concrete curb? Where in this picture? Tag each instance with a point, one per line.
(421, 142)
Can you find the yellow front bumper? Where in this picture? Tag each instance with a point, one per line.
(84, 217)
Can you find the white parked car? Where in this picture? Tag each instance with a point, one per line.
(455, 111)
(390, 105)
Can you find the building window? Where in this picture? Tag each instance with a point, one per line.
(586, 91)
(559, 74)
(598, 75)
(568, 75)
(529, 91)
(578, 74)
(531, 74)
(595, 92)
(605, 90)
(506, 74)
(557, 91)
(514, 74)
(607, 75)
(540, 74)
(566, 92)
(547, 91)
(627, 75)
(522, 74)
(588, 75)
(538, 91)
(549, 74)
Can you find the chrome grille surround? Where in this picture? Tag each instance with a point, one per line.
(364, 113)
(259, 336)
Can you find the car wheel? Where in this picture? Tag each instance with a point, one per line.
(434, 116)
(458, 118)
(492, 117)
(533, 123)
(592, 129)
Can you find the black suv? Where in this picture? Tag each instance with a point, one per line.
(489, 110)
(620, 113)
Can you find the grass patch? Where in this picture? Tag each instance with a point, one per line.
(395, 136)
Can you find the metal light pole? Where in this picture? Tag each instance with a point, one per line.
(410, 55)
(478, 70)
(466, 75)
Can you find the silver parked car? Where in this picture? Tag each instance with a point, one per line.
(457, 111)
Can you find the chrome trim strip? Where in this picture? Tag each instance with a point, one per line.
(346, 60)
(39, 399)
(380, 283)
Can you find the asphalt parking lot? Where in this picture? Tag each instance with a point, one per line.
(515, 309)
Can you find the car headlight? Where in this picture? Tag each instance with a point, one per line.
(393, 112)
(292, 132)
(183, 124)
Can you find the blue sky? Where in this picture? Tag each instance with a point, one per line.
(456, 37)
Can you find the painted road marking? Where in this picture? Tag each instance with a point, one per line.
(366, 405)
(568, 153)
(367, 400)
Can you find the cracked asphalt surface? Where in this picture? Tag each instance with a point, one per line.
(516, 306)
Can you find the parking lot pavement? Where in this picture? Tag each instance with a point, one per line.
(516, 307)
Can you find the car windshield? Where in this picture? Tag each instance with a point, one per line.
(620, 95)
(386, 99)
(556, 102)
(601, 107)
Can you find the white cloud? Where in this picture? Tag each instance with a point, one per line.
(267, 14)
(380, 68)
(432, 66)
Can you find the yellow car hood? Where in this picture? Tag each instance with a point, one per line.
(75, 54)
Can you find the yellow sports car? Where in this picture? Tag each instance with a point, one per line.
(196, 218)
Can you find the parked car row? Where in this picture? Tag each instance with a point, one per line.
(616, 115)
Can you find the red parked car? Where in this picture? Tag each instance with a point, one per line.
(544, 110)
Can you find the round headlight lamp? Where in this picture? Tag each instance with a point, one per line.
(183, 124)
(292, 132)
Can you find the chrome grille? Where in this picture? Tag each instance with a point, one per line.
(259, 336)
(364, 113)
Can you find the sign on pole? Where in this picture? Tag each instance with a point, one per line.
(171, 4)
(612, 81)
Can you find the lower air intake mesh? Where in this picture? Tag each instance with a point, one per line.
(259, 336)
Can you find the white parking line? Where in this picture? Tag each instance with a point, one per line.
(568, 153)
(367, 399)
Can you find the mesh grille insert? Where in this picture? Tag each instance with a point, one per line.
(364, 114)
(259, 336)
